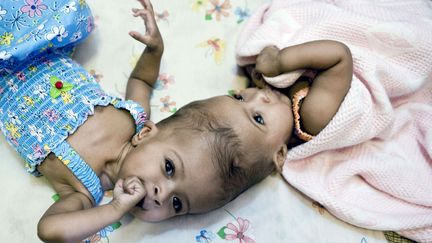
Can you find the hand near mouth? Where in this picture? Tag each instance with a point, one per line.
(127, 193)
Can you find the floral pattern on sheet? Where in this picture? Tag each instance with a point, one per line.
(238, 230)
(214, 47)
(164, 81)
(168, 105)
(198, 5)
(218, 9)
(162, 16)
(205, 236)
(166, 89)
(242, 14)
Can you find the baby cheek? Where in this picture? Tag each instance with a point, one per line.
(153, 215)
(283, 129)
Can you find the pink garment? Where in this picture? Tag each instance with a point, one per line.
(371, 166)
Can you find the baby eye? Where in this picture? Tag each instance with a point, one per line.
(238, 97)
(258, 118)
(177, 204)
(169, 167)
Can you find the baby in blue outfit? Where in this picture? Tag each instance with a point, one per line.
(85, 141)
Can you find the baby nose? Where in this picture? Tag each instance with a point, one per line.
(160, 196)
(156, 192)
(263, 95)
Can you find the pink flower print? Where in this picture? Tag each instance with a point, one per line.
(239, 233)
(52, 115)
(163, 81)
(162, 16)
(13, 141)
(21, 76)
(215, 47)
(219, 9)
(32, 7)
(90, 24)
(37, 152)
(166, 104)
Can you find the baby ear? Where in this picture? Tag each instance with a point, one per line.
(236, 162)
(279, 157)
(147, 131)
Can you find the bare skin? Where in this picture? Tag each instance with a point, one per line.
(271, 114)
(100, 141)
(332, 59)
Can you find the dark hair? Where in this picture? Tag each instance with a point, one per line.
(225, 148)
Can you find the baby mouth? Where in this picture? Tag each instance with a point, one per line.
(140, 204)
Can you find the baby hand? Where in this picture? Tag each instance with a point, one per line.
(268, 62)
(127, 193)
(152, 37)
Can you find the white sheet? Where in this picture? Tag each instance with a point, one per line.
(276, 212)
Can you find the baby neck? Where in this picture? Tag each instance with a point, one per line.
(112, 168)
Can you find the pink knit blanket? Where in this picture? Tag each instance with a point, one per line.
(372, 165)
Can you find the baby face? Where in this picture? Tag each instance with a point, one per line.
(177, 174)
(262, 118)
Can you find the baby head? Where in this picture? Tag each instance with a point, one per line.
(188, 163)
(263, 120)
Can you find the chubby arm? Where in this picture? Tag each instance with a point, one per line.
(334, 64)
(143, 77)
(73, 218)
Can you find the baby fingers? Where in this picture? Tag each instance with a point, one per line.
(139, 37)
(132, 185)
(146, 4)
(146, 15)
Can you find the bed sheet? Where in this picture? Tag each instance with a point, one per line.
(198, 62)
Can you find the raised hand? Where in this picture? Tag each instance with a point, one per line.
(152, 37)
(268, 62)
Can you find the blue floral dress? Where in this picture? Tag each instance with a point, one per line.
(44, 95)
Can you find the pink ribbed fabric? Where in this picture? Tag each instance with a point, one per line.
(371, 166)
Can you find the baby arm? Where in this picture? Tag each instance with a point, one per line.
(146, 71)
(73, 218)
(334, 64)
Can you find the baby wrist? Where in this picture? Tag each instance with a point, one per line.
(117, 208)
